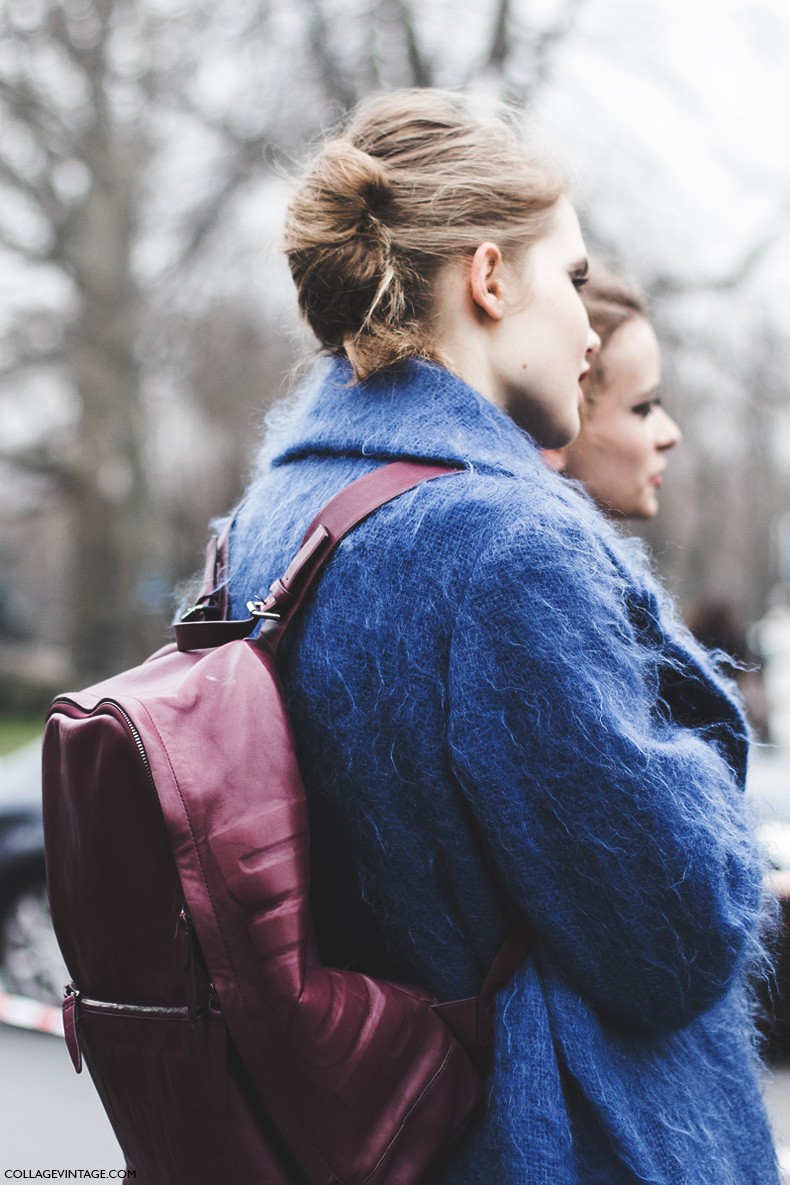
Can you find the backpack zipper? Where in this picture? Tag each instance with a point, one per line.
(193, 964)
(110, 1006)
(138, 740)
(130, 724)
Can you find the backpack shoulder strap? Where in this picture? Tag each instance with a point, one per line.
(340, 515)
(204, 625)
(469, 1019)
(215, 572)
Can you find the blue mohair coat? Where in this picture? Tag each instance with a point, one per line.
(495, 712)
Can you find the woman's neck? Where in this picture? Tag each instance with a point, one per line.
(458, 336)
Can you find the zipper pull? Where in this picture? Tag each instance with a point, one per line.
(186, 952)
(184, 938)
(70, 1001)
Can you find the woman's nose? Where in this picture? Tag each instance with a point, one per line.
(668, 432)
(593, 344)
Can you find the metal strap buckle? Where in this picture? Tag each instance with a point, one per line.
(257, 608)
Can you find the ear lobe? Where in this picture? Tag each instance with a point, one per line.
(555, 458)
(485, 280)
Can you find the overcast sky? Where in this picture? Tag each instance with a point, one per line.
(683, 110)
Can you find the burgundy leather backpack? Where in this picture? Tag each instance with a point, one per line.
(177, 850)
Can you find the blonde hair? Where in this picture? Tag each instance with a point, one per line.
(413, 181)
(610, 302)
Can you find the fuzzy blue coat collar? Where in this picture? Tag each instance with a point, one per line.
(416, 409)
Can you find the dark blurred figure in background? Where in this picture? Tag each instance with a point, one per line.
(717, 623)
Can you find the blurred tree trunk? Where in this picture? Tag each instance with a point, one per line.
(74, 153)
(113, 514)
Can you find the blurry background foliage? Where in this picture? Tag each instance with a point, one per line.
(147, 320)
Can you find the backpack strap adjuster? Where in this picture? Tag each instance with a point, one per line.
(257, 609)
(285, 589)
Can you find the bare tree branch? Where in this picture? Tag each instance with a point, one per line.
(39, 461)
(38, 189)
(421, 69)
(499, 49)
(337, 86)
(90, 59)
(736, 275)
(28, 357)
(44, 121)
(542, 53)
(239, 166)
(557, 32)
(26, 250)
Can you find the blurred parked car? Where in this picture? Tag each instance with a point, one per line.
(30, 961)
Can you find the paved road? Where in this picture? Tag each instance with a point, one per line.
(51, 1118)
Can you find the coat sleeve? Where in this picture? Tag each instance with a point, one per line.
(692, 689)
(616, 825)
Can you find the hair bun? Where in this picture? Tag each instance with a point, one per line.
(356, 183)
(339, 245)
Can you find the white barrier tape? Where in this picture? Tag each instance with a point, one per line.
(30, 1014)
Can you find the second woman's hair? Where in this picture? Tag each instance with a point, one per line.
(611, 302)
(412, 182)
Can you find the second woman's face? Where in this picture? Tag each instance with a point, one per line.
(620, 453)
(544, 342)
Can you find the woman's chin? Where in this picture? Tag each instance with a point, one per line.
(621, 509)
(640, 511)
(554, 436)
(649, 508)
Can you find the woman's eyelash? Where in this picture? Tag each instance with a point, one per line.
(579, 282)
(643, 410)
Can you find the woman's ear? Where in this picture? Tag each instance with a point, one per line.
(555, 458)
(486, 280)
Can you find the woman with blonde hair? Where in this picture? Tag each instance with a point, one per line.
(620, 453)
(498, 717)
